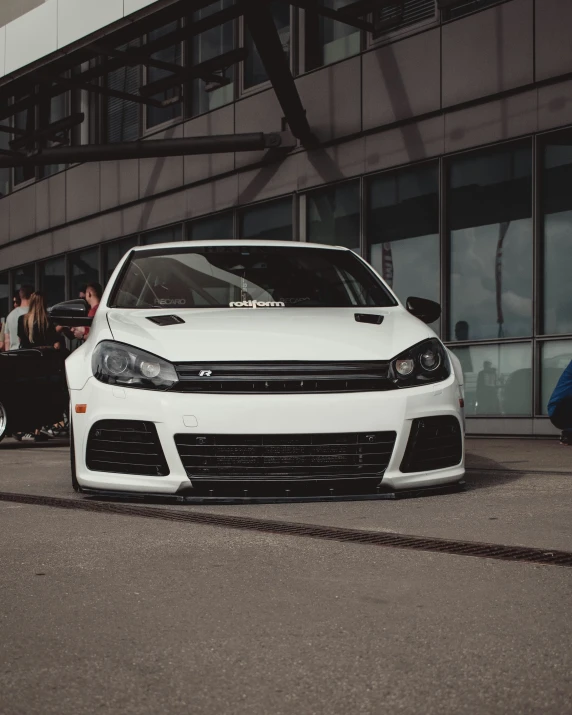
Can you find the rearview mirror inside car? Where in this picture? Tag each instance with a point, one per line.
(426, 310)
(71, 313)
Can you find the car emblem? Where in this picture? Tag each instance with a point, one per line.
(205, 373)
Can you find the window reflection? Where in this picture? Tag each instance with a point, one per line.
(212, 43)
(211, 229)
(403, 230)
(490, 210)
(5, 302)
(557, 210)
(163, 235)
(122, 117)
(333, 216)
(53, 280)
(172, 55)
(114, 252)
(84, 269)
(498, 379)
(271, 221)
(24, 276)
(254, 72)
(329, 41)
(554, 358)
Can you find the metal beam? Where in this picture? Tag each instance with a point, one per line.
(265, 35)
(133, 57)
(76, 83)
(203, 70)
(318, 8)
(215, 144)
(12, 130)
(48, 131)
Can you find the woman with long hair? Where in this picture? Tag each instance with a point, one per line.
(35, 329)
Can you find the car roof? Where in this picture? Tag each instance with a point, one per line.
(237, 242)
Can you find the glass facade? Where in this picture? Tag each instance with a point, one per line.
(333, 216)
(84, 268)
(162, 235)
(254, 72)
(329, 41)
(122, 118)
(5, 301)
(173, 55)
(555, 356)
(24, 276)
(212, 228)
(271, 221)
(557, 228)
(53, 280)
(114, 252)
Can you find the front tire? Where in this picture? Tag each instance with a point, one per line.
(75, 484)
(3, 422)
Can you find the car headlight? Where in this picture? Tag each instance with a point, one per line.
(423, 363)
(119, 364)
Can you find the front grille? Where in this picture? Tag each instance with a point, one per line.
(125, 447)
(283, 377)
(285, 456)
(434, 443)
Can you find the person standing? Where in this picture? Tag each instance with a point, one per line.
(560, 406)
(11, 339)
(34, 327)
(93, 293)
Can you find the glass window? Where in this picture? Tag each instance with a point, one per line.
(173, 55)
(557, 212)
(5, 302)
(498, 378)
(24, 120)
(395, 14)
(464, 8)
(5, 172)
(114, 252)
(403, 230)
(84, 268)
(254, 72)
(51, 111)
(24, 276)
(211, 228)
(163, 235)
(333, 216)
(53, 280)
(271, 221)
(327, 40)
(212, 43)
(490, 210)
(214, 277)
(123, 117)
(554, 358)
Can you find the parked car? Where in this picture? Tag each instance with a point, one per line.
(33, 390)
(242, 367)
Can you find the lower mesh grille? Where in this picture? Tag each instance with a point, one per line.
(434, 443)
(125, 447)
(285, 457)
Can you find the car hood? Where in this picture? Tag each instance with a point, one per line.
(269, 333)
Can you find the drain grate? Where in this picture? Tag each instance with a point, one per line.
(547, 557)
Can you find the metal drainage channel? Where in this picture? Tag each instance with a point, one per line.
(332, 533)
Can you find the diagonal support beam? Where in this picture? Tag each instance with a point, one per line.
(259, 20)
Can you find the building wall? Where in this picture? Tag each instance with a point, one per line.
(496, 75)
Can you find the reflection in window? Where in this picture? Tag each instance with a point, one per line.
(163, 235)
(25, 120)
(53, 280)
(24, 276)
(328, 41)
(212, 43)
(5, 302)
(114, 252)
(554, 358)
(5, 173)
(84, 269)
(557, 210)
(270, 221)
(490, 210)
(211, 229)
(123, 118)
(467, 7)
(172, 55)
(403, 230)
(52, 110)
(254, 72)
(498, 378)
(333, 216)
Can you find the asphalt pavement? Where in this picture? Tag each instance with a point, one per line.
(114, 613)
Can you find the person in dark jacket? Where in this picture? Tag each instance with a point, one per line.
(560, 406)
(35, 329)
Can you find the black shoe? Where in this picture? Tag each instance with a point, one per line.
(566, 438)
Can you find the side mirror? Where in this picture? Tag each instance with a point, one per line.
(426, 310)
(71, 313)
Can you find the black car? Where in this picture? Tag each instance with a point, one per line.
(33, 390)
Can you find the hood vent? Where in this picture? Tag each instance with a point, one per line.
(369, 318)
(165, 319)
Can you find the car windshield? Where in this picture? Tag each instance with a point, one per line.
(223, 276)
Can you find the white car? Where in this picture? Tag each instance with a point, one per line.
(253, 368)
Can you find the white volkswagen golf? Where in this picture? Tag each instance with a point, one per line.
(259, 368)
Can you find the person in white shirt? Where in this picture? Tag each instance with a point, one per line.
(11, 339)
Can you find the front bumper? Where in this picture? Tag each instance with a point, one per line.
(178, 413)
